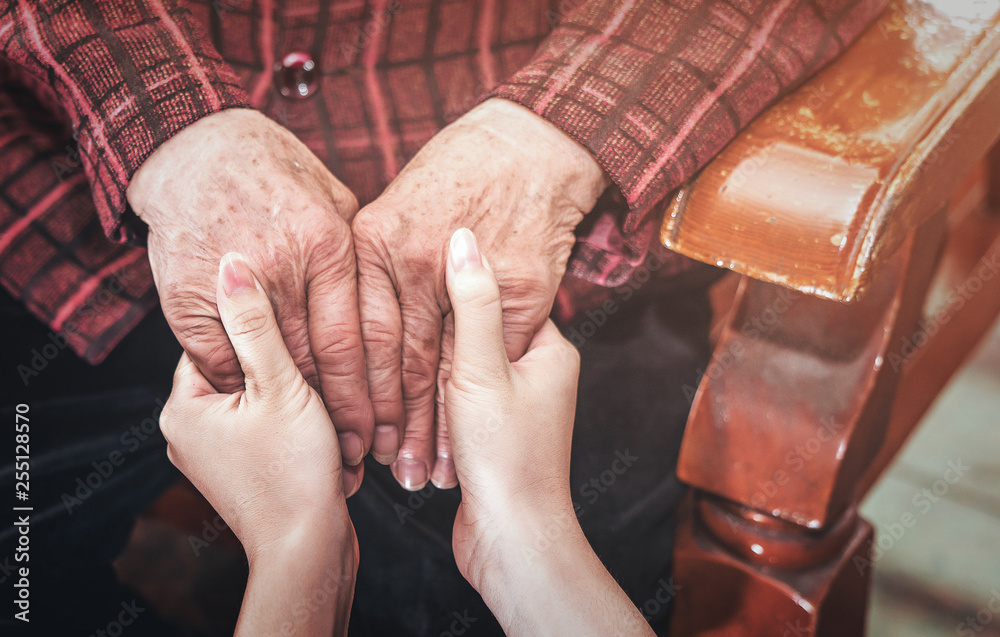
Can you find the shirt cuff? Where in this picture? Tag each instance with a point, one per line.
(130, 75)
(656, 88)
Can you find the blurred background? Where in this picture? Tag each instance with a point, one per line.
(941, 574)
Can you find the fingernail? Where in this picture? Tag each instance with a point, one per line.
(410, 473)
(236, 275)
(464, 251)
(352, 448)
(351, 483)
(443, 476)
(386, 443)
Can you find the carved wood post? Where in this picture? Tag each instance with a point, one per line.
(786, 420)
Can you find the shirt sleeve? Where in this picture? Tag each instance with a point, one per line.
(129, 74)
(656, 88)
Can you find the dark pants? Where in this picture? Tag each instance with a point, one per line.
(91, 473)
(98, 460)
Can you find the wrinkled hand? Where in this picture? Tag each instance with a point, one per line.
(236, 181)
(522, 186)
(511, 424)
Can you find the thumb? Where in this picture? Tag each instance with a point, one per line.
(246, 314)
(475, 300)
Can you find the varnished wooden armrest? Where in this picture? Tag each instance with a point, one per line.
(822, 188)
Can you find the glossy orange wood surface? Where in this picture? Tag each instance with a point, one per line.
(824, 186)
(838, 192)
(793, 407)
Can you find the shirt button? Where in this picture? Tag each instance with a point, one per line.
(298, 75)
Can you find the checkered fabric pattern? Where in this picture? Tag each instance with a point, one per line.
(654, 88)
(53, 250)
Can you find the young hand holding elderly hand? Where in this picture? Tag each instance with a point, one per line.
(268, 460)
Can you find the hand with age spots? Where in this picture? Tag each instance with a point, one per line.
(522, 186)
(237, 181)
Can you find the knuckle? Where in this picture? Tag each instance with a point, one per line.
(480, 294)
(183, 302)
(221, 363)
(368, 226)
(417, 383)
(421, 323)
(253, 322)
(334, 355)
(350, 414)
(388, 410)
(331, 253)
(383, 374)
(345, 201)
(378, 333)
(421, 434)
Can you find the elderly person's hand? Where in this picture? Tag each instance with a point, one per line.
(266, 457)
(516, 537)
(522, 186)
(237, 181)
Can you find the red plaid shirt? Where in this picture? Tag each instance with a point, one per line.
(89, 89)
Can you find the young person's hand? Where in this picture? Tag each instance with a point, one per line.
(267, 458)
(516, 537)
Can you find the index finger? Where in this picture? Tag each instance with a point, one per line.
(338, 351)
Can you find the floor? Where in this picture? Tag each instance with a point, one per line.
(937, 515)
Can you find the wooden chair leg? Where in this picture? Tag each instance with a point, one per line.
(776, 578)
(787, 418)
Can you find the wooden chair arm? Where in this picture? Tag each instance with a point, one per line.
(823, 187)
